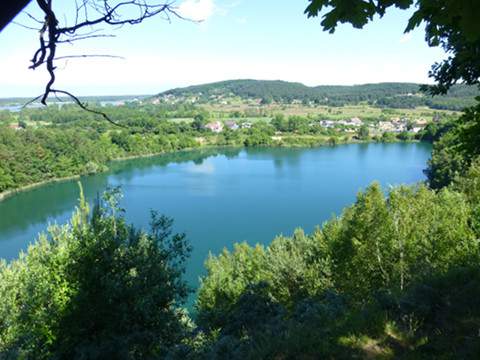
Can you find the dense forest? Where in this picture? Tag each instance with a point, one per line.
(392, 95)
(76, 143)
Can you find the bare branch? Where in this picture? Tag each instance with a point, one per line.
(34, 18)
(88, 15)
(89, 56)
(77, 38)
(85, 107)
(25, 26)
(32, 101)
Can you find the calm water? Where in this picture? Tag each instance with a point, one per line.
(219, 197)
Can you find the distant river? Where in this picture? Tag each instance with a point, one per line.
(222, 196)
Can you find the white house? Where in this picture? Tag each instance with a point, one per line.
(232, 125)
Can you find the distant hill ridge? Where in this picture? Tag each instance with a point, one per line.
(389, 94)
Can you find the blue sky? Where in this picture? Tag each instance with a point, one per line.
(267, 39)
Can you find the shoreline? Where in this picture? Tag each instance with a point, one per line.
(9, 193)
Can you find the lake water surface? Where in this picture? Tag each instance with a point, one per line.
(222, 196)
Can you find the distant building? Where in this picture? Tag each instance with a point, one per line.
(421, 122)
(232, 125)
(15, 127)
(327, 123)
(246, 125)
(215, 126)
(355, 121)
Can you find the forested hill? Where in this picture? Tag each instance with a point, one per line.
(400, 95)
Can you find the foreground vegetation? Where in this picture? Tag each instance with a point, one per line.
(64, 298)
(392, 277)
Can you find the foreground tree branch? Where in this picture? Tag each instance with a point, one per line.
(88, 15)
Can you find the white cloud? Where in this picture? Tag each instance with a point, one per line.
(198, 10)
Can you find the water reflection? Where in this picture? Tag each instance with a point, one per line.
(43, 204)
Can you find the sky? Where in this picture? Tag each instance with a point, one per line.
(235, 39)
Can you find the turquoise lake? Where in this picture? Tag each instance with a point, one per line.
(222, 196)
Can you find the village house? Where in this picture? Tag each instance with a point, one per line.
(421, 122)
(232, 125)
(392, 126)
(327, 123)
(385, 126)
(246, 125)
(215, 126)
(355, 122)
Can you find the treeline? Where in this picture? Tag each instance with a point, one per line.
(393, 95)
(36, 155)
(128, 113)
(67, 100)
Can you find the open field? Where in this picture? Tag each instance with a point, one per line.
(364, 111)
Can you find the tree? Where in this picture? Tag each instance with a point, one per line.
(94, 289)
(456, 149)
(363, 132)
(199, 122)
(388, 137)
(451, 24)
(267, 100)
(279, 122)
(404, 136)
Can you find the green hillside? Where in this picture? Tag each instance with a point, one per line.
(393, 95)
